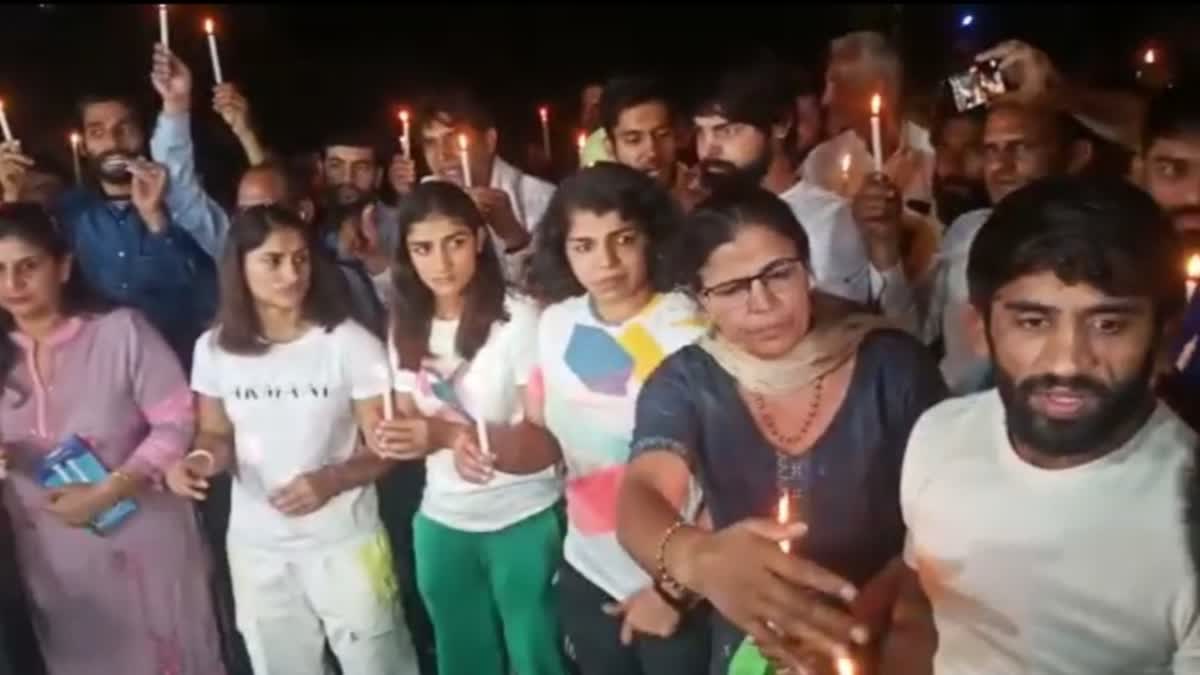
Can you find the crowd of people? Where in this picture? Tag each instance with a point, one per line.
(820, 400)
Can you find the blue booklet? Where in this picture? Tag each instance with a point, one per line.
(73, 462)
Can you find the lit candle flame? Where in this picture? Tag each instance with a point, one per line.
(1151, 57)
(581, 140)
(1193, 267)
(544, 113)
(876, 104)
(846, 163)
(208, 26)
(404, 116)
(462, 142)
(845, 665)
(785, 517)
(74, 138)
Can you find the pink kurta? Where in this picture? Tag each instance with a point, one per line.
(134, 602)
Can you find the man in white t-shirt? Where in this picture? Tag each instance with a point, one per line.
(743, 134)
(1046, 517)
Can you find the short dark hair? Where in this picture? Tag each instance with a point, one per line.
(351, 138)
(623, 93)
(604, 188)
(1101, 231)
(413, 302)
(1172, 112)
(758, 95)
(717, 220)
(295, 188)
(455, 105)
(239, 330)
(109, 96)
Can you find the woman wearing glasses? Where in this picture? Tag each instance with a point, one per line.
(107, 595)
(784, 407)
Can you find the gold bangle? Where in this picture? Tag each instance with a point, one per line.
(664, 576)
(201, 452)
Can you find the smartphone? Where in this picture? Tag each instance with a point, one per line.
(977, 86)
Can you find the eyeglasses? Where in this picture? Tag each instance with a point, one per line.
(778, 278)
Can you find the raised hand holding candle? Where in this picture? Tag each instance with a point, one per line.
(8, 136)
(405, 137)
(876, 140)
(212, 51)
(75, 139)
(581, 141)
(466, 160)
(544, 115)
(164, 35)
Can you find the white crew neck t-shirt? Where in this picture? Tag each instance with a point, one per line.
(1081, 571)
(489, 385)
(292, 412)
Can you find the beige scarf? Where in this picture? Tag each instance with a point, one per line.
(832, 341)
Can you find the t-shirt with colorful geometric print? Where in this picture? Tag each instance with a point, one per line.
(590, 373)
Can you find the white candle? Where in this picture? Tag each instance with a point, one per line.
(582, 143)
(1193, 274)
(212, 51)
(75, 156)
(784, 515)
(544, 114)
(164, 35)
(876, 140)
(405, 138)
(466, 160)
(8, 136)
(1185, 355)
(485, 445)
(845, 174)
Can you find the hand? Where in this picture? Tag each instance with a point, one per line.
(405, 438)
(402, 174)
(189, 476)
(498, 211)
(172, 80)
(1028, 70)
(778, 599)
(469, 461)
(645, 612)
(149, 186)
(14, 168)
(78, 505)
(305, 494)
(877, 209)
(232, 107)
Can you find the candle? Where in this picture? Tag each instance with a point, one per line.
(212, 50)
(8, 137)
(1193, 274)
(75, 155)
(845, 665)
(544, 114)
(405, 138)
(876, 142)
(466, 160)
(163, 35)
(1150, 57)
(845, 173)
(582, 143)
(785, 517)
(485, 445)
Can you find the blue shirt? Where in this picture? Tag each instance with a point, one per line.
(167, 276)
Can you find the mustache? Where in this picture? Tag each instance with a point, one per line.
(1081, 383)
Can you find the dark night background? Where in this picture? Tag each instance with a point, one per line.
(307, 69)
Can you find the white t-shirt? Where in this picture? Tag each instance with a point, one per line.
(292, 412)
(489, 385)
(1081, 571)
(590, 373)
